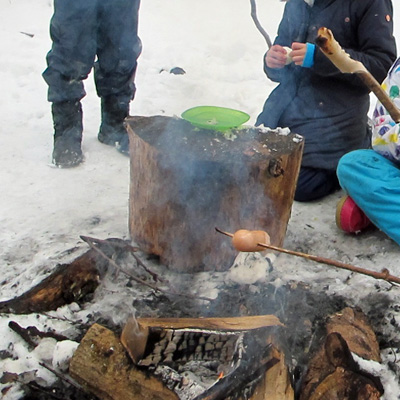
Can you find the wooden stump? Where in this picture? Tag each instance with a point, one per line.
(186, 181)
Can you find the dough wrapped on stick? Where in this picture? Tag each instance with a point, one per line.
(332, 49)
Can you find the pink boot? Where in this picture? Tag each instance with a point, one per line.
(349, 217)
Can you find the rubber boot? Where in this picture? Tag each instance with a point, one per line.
(67, 120)
(112, 129)
(349, 217)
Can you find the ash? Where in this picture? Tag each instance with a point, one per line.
(190, 361)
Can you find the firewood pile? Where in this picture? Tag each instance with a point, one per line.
(206, 358)
(250, 342)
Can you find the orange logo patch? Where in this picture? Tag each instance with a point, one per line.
(388, 19)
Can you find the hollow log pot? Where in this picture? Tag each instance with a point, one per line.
(185, 181)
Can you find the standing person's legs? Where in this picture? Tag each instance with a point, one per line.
(118, 49)
(73, 32)
(373, 182)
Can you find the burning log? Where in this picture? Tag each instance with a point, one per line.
(68, 283)
(186, 179)
(191, 359)
(101, 365)
(332, 372)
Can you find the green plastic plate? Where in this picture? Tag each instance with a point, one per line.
(215, 118)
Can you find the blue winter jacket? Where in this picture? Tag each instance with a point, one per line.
(322, 104)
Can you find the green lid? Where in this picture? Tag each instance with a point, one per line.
(215, 118)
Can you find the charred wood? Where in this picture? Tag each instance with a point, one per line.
(68, 283)
(32, 335)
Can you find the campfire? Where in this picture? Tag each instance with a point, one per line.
(256, 342)
(204, 358)
(272, 344)
(194, 359)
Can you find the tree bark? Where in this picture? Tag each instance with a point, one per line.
(103, 368)
(332, 372)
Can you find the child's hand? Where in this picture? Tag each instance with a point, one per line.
(276, 56)
(299, 51)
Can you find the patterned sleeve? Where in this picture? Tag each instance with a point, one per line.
(385, 133)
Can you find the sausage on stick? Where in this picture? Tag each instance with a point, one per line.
(248, 240)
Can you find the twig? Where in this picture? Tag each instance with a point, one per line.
(132, 249)
(155, 276)
(70, 321)
(61, 376)
(138, 280)
(26, 333)
(29, 333)
(257, 22)
(384, 274)
(31, 35)
(22, 333)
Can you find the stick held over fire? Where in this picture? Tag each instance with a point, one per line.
(332, 49)
(250, 243)
(257, 23)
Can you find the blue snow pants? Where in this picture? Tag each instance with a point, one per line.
(82, 30)
(373, 182)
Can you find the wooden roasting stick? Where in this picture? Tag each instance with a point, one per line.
(257, 23)
(384, 274)
(332, 49)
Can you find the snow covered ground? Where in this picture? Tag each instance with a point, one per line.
(44, 210)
